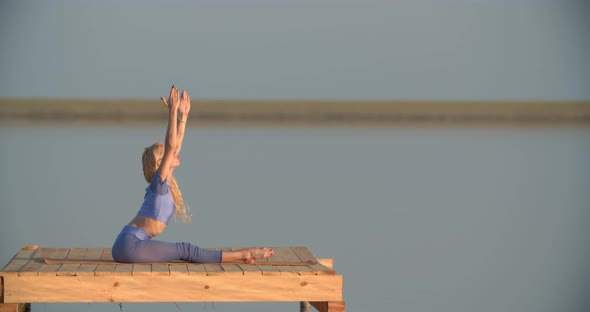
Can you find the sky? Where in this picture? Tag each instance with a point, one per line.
(288, 49)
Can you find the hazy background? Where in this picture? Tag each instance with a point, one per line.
(461, 219)
(425, 49)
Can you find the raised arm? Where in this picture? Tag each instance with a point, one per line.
(183, 110)
(171, 134)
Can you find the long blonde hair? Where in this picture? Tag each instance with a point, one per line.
(149, 160)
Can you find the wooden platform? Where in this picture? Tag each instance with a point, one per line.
(27, 279)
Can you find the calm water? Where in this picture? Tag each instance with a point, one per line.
(456, 219)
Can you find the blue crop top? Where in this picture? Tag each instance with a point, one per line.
(157, 202)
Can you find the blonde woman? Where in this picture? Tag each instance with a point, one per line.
(163, 199)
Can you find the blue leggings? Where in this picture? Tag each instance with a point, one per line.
(134, 245)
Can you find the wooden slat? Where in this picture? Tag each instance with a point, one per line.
(123, 270)
(32, 268)
(19, 261)
(214, 269)
(142, 269)
(88, 269)
(265, 268)
(250, 269)
(107, 254)
(305, 255)
(196, 269)
(286, 254)
(49, 252)
(289, 255)
(278, 258)
(51, 270)
(231, 268)
(178, 270)
(105, 269)
(70, 269)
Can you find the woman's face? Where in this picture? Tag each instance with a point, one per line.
(175, 160)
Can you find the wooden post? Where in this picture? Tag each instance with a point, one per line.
(11, 307)
(15, 307)
(329, 306)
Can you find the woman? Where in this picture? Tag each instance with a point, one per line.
(163, 199)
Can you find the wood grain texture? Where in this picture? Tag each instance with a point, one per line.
(223, 288)
(15, 307)
(91, 275)
(19, 261)
(305, 255)
(331, 306)
(71, 268)
(89, 269)
(105, 269)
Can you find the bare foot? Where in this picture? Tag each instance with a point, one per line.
(247, 255)
(253, 254)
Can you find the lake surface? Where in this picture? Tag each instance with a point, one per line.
(461, 219)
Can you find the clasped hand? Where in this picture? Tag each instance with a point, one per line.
(181, 103)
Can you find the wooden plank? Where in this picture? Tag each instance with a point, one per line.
(214, 269)
(305, 255)
(330, 306)
(248, 269)
(15, 307)
(289, 255)
(265, 268)
(141, 269)
(105, 269)
(19, 261)
(268, 269)
(51, 270)
(70, 269)
(107, 254)
(178, 270)
(232, 268)
(327, 262)
(224, 288)
(196, 269)
(277, 259)
(160, 269)
(88, 269)
(32, 268)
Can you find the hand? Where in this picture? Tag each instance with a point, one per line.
(185, 104)
(173, 100)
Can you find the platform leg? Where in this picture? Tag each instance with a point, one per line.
(329, 306)
(15, 307)
(11, 307)
(304, 306)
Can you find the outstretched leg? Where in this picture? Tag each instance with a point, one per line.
(248, 255)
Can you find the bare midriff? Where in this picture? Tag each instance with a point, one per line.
(152, 226)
